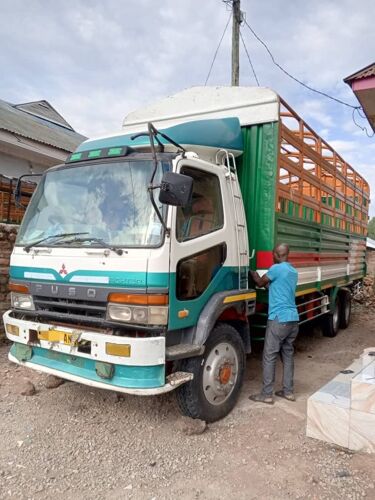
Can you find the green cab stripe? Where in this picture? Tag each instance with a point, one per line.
(225, 279)
(127, 279)
(218, 133)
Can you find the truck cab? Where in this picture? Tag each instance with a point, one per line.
(115, 289)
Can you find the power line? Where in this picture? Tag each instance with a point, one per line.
(229, 4)
(248, 56)
(364, 129)
(293, 77)
(217, 50)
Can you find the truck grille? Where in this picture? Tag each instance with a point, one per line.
(75, 309)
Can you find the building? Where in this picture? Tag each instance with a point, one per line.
(363, 85)
(33, 137)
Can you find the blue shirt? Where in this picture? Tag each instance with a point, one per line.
(282, 290)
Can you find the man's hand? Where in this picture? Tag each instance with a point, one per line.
(260, 281)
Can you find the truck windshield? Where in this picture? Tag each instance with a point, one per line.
(105, 201)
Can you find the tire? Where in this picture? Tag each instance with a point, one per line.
(345, 308)
(218, 376)
(331, 321)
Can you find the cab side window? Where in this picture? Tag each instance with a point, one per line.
(196, 272)
(205, 213)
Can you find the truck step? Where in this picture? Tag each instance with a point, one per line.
(181, 351)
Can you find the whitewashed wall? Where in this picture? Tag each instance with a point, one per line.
(14, 167)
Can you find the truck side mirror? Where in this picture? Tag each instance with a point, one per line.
(176, 189)
(17, 191)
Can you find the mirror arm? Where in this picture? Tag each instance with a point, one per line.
(160, 217)
(178, 146)
(17, 190)
(147, 134)
(152, 133)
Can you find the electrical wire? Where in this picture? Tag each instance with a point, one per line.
(293, 77)
(359, 112)
(217, 50)
(364, 129)
(229, 4)
(248, 56)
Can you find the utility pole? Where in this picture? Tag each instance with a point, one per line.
(237, 18)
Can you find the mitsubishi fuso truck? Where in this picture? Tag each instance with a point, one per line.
(130, 271)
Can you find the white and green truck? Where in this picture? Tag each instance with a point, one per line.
(130, 269)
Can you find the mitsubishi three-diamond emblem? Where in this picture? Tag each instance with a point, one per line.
(63, 270)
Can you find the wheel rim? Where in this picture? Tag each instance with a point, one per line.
(347, 311)
(220, 373)
(336, 318)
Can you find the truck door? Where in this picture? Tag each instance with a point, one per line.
(200, 249)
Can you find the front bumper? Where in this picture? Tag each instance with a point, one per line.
(143, 372)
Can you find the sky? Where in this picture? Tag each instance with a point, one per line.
(97, 60)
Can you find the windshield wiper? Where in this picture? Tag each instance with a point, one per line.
(119, 251)
(59, 235)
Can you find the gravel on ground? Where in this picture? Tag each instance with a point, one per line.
(74, 442)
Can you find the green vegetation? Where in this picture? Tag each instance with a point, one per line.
(371, 228)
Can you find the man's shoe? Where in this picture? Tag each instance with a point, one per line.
(262, 398)
(289, 396)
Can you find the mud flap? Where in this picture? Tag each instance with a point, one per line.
(104, 370)
(21, 352)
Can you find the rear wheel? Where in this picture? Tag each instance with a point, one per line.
(331, 321)
(345, 299)
(218, 376)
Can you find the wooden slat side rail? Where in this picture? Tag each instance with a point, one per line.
(314, 182)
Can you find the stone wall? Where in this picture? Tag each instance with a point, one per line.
(8, 235)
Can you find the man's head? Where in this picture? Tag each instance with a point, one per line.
(280, 253)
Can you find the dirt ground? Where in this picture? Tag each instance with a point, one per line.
(74, 442)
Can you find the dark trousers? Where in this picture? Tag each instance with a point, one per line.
(279, 340)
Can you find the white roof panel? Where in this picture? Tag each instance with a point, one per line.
(251, 105)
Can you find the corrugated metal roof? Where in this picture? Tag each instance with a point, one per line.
(43, 109)
(38, 129)
(370, 243)
(363, 73)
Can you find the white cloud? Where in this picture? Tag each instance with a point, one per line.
(96, 61)
(343, 147)
(314, 109)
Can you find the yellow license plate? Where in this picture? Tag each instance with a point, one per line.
(57, 336)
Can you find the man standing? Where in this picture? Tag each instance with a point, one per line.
(282, 325)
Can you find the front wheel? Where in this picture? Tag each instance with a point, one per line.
(218, 376)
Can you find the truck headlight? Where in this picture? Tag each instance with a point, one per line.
(141, 309)
(119, 313)
(149, 315)
(22, 301)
